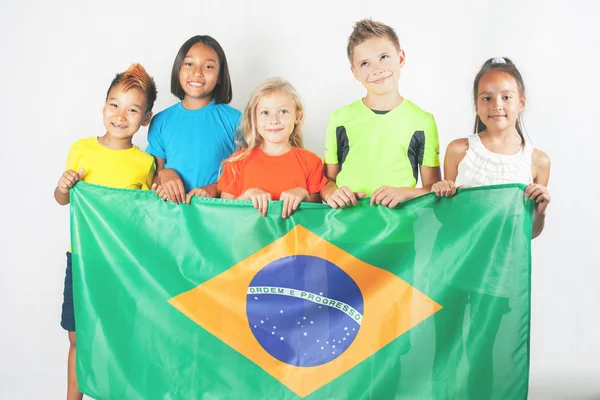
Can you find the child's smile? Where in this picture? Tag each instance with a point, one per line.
(276, 119)
(499, 101)
(124, 112)
(199, 73)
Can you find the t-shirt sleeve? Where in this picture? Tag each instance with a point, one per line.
(331, 156)
(431, 153)
(148, 184)
(155, 138)
(230, 180)
(316, 178)
(73, 157)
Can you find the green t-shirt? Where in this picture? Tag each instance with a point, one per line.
(376, 149)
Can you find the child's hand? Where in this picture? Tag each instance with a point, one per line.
(391, 196)
(171, 185)
(160, 191)
(68, 180)
(540, 195)
(260, 199)
(204, 191)
(343, 197)
(291, 200)
(444, 188)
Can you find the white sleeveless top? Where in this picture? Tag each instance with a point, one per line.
(481, 167)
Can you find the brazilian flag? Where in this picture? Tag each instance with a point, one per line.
(430, 300)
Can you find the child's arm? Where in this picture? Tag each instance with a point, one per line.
(538, 190)
(167, 183)
(334, 196)
(65, 183)
(454, 155)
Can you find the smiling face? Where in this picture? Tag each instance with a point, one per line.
(199, 73)
(276, 118)
(376, 63)
(499, 101)
(124, 112)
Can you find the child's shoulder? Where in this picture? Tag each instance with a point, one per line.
(540, 159)
(306, 154)
(349, 110)
(88, 143)
(168, 111)
(241, 157)
(415, 109)
(226, 110)
(458, 146)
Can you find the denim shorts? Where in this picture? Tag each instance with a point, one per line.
(67, 319)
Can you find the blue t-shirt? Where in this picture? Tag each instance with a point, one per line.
(194, 142)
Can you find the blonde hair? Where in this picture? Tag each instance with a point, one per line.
(366, 29)
(247, 136)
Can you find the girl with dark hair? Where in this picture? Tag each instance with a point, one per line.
(190, 139)
(498, 152)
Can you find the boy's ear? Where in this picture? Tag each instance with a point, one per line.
(402, 56)
(147, 118)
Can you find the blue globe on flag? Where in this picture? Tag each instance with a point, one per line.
(304, 310)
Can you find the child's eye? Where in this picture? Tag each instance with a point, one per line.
(133, 110)
(364, 64)
(505, 97)
(485, 98)
(385, 57)
(284, 111)
(113, 105)
(209, 67)
(264, 113)
(187, 64)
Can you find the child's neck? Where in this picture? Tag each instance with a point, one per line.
(193, 103)
(113, 143)
(501, 136)
(506, 141)
(275, 149)
(383, 102)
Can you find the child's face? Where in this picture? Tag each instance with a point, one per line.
(498, 101)
(376, 63)
(276, 118)
(199, 73)
(125, 112)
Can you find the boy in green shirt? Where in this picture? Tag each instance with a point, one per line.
(376, 146)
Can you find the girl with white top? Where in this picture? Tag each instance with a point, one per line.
(498, 152)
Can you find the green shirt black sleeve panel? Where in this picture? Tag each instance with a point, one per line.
(343, 145)
(416, 150)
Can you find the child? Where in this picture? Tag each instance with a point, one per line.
(190, 139)
(498, 152)
(109, 160)
(376, 145)
(272, 164)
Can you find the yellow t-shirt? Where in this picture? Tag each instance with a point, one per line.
(124, 169)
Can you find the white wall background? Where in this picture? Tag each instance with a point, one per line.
(58, 58)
